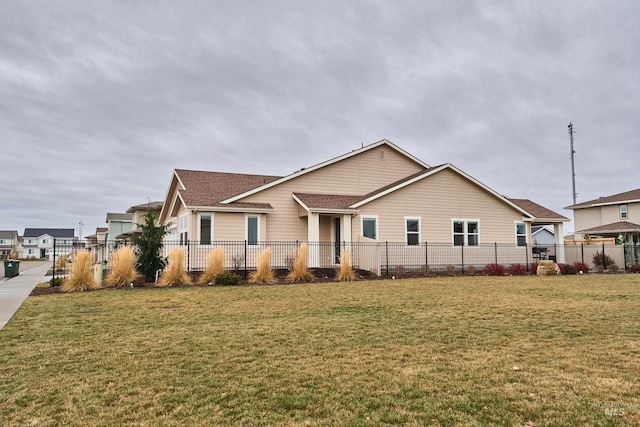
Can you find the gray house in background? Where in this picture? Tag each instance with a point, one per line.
(8, 243)
(541, 235)
(38, 242)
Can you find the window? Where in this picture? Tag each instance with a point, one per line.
(3, 242)
(466, 233)
(30, 241)
(412, 227)
(370, 227)
(183, 229)
(44, 241)
(253, 229)
(521, 234)
(623, 212)
(206, 229)
(31, 251)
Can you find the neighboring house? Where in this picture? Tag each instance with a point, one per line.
(616, 216)
(117, 224)
(97, 243)
(137, 216)
(39, 242)
(378, 193)
(542, 236)
(8, 243)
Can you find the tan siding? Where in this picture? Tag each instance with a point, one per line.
(587, 218)
(633, 212)
(356, 175)
(437, 200)
(610, 214)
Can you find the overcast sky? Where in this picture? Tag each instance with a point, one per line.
(101, 100)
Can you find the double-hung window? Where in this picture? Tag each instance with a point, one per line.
(183, 229)
(253, 229)
(412, 229)
(206, 229)
(623, 212)
(521, 234)
(466, 233)
(370, 227)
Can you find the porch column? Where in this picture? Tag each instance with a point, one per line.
(346, 228)
(313, 237)
(558, 233)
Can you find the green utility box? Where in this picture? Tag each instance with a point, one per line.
(11, 268)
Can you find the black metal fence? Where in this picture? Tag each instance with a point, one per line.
(380, 258)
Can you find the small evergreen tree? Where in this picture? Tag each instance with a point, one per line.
(149, 246)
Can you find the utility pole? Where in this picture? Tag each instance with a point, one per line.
(573, 170)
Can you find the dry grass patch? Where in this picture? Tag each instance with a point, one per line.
(345, 273)
(300, 272)
(175, 274)
(81, 276)
(437, 351)
(263, 273)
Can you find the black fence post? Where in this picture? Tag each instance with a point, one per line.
(604, 260)
(53, 280)
(245, 259)
(462, 258)
(386, 245)
(582, 252)
(526, 256)
(495, 251)
(426, 254)
(188, 255)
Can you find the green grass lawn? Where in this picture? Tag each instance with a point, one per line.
(436, 351)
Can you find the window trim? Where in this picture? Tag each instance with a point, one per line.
(465, 233)
(373, 217)
(624, 211)
(246, 229)
(526, 237)
(200, 216)
(183, 229)
(407, 232)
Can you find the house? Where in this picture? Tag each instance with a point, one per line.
(39, 242)
(375, 194)
(616, 217)
(117, 224)
(97, 243)
(8, 243)
(541, 235)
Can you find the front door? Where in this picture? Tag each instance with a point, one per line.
(336, 238)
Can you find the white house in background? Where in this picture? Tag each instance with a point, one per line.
(38, 242)
(8, 243)
(541, 235)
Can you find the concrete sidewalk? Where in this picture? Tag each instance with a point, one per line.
(15, 290)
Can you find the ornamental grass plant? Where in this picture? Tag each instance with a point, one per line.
(81, 275)
(123, 268)
(300, 272)
(175, 273)
(215, 266)
(263, 274)
(345, 274)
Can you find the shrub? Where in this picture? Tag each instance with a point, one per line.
(300, 272)
(81, 276)
(534, 268)
(227, 278)
(263, 274)
(581, 267)
(603, 261)
(426, 270)
(123, 268)
(215, 266)
(62, 261)
(55, 282)
(470, 271)
(567, 269)
(451, 270)
(517, 270)
(494, 270)
(635, 268)
(346, 272)
(175, 273)
(149, 244)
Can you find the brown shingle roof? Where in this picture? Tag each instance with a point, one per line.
(614, 228)
(616, 198)
(327, 201)
(209, 188)
(536, 210)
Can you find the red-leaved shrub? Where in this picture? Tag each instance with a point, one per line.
(581, 267)
(635, 268)
(494, 270)
(517, 270)
(534, 268)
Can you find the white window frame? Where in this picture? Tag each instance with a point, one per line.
(373, 217)
(3, 242)
(624, 212)
(183, 228)
(465, 231)
(526, 240)
(200, 216)
(246, 229)
(407, 232)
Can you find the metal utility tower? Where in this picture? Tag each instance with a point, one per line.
(573, 170)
